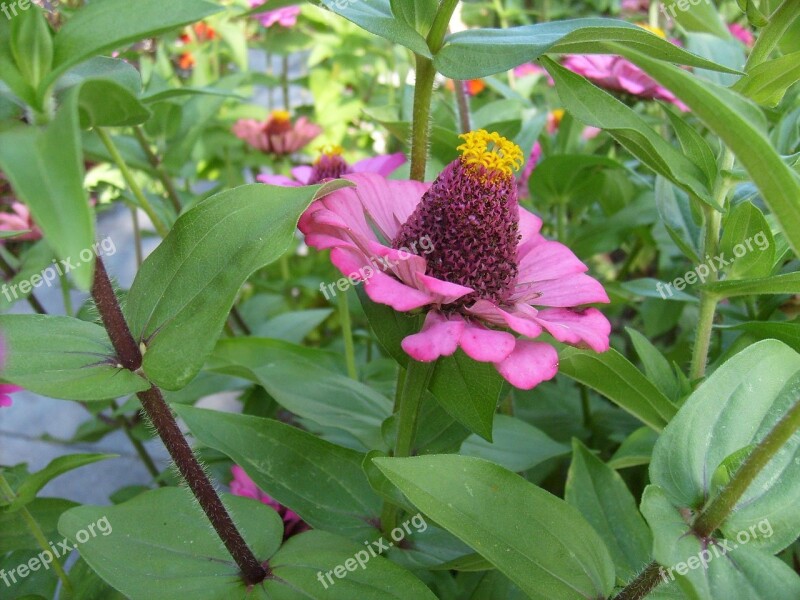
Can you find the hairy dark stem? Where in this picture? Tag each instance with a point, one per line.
(161, 417)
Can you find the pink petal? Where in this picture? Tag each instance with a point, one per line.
(529, 226)
(5, 401)
(447, 292)
(541, 260)
(573, 290)
(573, 327)
(302, 173)
(388, 202)
(382, 165)
(439, 337)
(280, 180)
(529, 364)
(520, 321)
(387, 290)
(486, 345)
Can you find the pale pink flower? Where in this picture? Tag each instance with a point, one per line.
(741, 33)
(635, 6)
(19, 219)
(6, 388)
(277, 135)
(489, 269)
(527, 171)
(620, 75)
(242, 485)
(285, 17)
(533, 69)
(331, 165)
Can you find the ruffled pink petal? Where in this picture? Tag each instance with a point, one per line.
(281, 180)
(529, 226)
(439, 337)
(521, 320)
(384, 165)
(573, 290)
(447, 292)
(303, 173)
(486, 345)
(389, 203)
(385, 289)
(541, 259)
(587, 327)
(529, 364)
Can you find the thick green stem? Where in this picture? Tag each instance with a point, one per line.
(423, 90)
(7, 494)
(347, 333)
(768, 38)
(144, 203)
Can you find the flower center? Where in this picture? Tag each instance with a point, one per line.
(278, 123)
(329, 165)
(471, 215)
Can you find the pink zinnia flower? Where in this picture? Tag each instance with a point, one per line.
(489, 268)
(331, 165)
(277, 135)
(285, 17)
(620, 75)
(533, 69)
(530, 165)
(6, 388)
(635, 5)
(742, 34)
(19, 219)
(242, 485)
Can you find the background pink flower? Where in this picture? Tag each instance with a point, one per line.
(741, 33)
(277, 135)
(242, 485)
(331, 165)
(6, 388)
(19, 219)
(285, 17)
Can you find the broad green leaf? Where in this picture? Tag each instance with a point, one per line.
(51, 184)
(17, 88)
(653, 288)
(31, 486)
(768, 82)
(105, 25)
(696, 16)
(788, 333)
(567, 178)
(737, 122)
(727, 52)
(17, 536)
(694, 145)
(725, 569)
(595, 107)
(32, 44)
(602, 497)
(788, 283)
(536, 539)
(635, 450)
(320, 481)
(181, 296)
(376, 17)
(747, 242)
(241, 355)
(389, 326)
(678, 215)
(292, 326)
(480, 52)
(656, 366)
(517, 445)
(418, 14)
(66, 358)
(734, 408)
(613, 376)
(102, 68)
(104, 103)
(160, 544)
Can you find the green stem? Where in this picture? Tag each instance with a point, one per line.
(285, 81)
(144, 203)
(708, 301)
(418, 374)
(137, 237)
(155, 162)
(768, 38)
(423, 90)
(36, 531)
(462, 101)
(65, 294)
(347, 333)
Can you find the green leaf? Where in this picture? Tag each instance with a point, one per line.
(635, 450)
(537, 540)
(568, 178)
(694, 145)
(744, 225)
(26, 493)
(656, 366)
(517, 446)
(696, 16)
(613, 376)
(768, 82)
(737, 122)
(376, 17)
(602, 497)
(788, 333)
(104, 103)
(734, 408)
(51, 184)
(727, 569)
(418, 14)
(66, 358)
(32, 44)
(160, 545)
(788, 283)
(480, 52)
(181, 296)
(595, 107)
(320, 481)
(676, 211)
(45, 511)
(96, 28)
(390, 326)
(468, 391)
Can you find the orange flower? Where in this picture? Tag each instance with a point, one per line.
(204, 31)
(186, 61)
(471, 86)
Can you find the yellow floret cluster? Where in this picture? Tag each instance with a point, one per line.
(490, 150)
